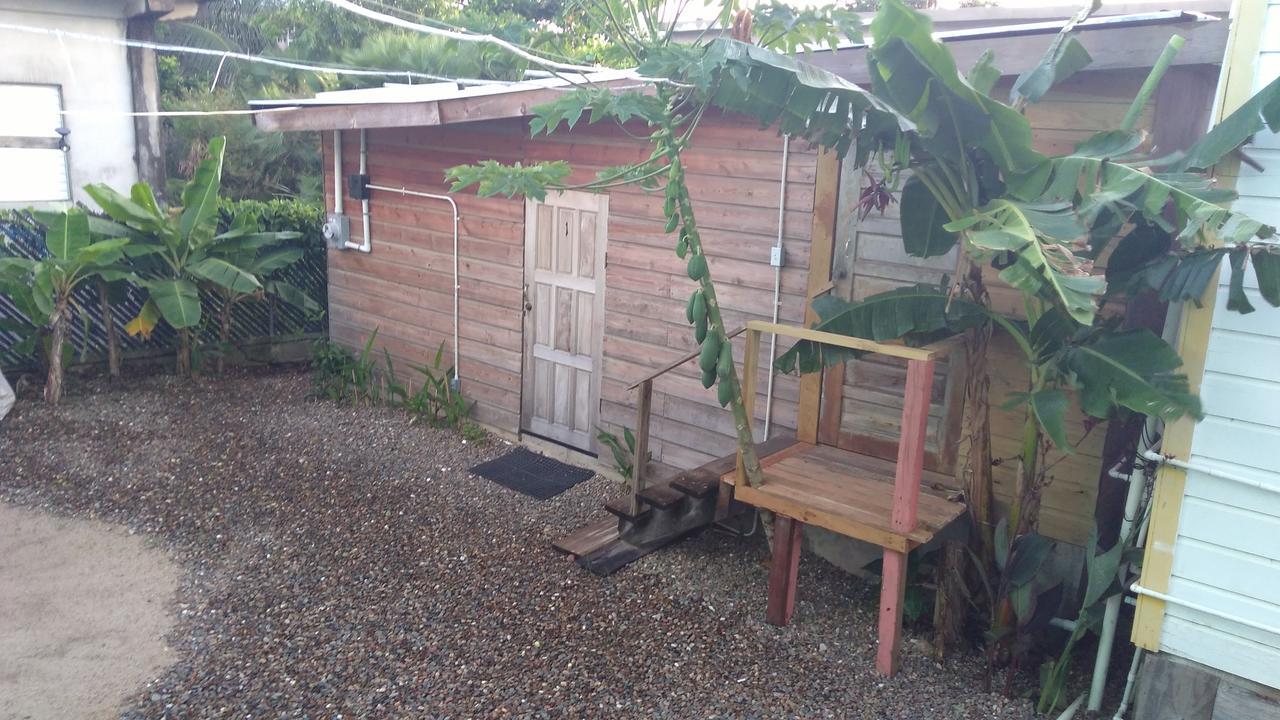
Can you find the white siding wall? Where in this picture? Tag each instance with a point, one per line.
(1227, 555)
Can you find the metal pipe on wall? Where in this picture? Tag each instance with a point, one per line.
(777, 284)
(366, 242)
(337, 173)
(456, 286)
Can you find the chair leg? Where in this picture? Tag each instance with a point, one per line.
(893, 587)
(782, 576)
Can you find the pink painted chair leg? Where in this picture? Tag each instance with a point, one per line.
(893, 587)
(786, 565)
(906, 496)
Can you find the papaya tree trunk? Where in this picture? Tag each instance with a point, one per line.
(109, 326)
(57, 338)
(738, 405)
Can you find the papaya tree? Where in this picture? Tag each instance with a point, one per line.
(44, 288)
(178, 250)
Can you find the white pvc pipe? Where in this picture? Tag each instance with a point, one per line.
(337, 173)
(456, 286)
(366, 243)
(1128, 684)
(777, 286)
(1171, 600)
(1174, 462)
(1071, 710)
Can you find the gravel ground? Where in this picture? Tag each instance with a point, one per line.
(341, 562)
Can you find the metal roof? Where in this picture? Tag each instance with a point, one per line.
(1115, 42)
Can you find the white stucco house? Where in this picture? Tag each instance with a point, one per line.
(66, 100)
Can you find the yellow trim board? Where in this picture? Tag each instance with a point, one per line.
(1243, 44)
(1166, 504)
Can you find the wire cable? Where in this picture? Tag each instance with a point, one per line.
(288, 64)
(463, 37)
(173, 113)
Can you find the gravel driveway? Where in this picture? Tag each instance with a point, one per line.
(341, 562)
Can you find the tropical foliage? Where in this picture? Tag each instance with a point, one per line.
(175, 252)
(261, 164)
(43, 289)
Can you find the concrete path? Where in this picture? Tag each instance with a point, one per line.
(83, 610)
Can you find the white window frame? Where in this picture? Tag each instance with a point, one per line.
(52, 141)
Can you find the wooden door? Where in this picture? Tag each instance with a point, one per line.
(564, 316)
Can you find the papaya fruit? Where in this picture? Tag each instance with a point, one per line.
(724, 393)
(697, 267)
(710, 353)
(699, 308)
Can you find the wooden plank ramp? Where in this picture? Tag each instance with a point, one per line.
(589, 538)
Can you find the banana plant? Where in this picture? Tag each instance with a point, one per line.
(178, 250)
(44, 288)
(258, 254)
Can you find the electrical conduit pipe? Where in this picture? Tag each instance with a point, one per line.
(366, 218)
(366, 242)
(454, 207)
(777, 286)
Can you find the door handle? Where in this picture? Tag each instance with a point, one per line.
(528, 306)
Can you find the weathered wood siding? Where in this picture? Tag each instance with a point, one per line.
(402, 286)
(734, 170)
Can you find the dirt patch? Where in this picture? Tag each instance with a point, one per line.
(340, 561)
(83, 610)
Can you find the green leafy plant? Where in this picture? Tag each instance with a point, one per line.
(331, 366)
(623, 450)
(473, 433)
(43, 289)
(260, 256)
(177, 251)
(436, 401)
(342, 376)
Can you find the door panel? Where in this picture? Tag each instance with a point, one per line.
(564, 292)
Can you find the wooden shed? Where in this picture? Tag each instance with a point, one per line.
(563, 305)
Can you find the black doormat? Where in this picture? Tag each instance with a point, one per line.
(535, 475)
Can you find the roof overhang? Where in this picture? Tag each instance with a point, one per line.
(433, 104)
(1115, 42)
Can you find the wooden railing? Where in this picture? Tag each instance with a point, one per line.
(754, 330)
(644, 405)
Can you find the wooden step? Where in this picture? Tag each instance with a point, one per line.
(663, 496)
(621, 506)
(588, 539)
(699, 482)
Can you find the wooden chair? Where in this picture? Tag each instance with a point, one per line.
(862, 497)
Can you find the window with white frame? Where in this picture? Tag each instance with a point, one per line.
(33, 167)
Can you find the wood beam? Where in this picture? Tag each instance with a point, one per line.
(822, 241)
(784, 571)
